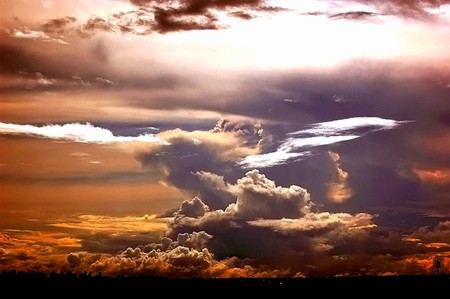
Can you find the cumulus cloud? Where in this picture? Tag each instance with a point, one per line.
(338, 189)
(75, 259)
(259, 197)
(215, 151)
(319, 134)
(265, 214)
(75, 132)
(27, 250)
(192, 208)
(237, 241)
(432, 237)
(186, 256)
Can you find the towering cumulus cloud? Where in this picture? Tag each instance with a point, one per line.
(244, 235)
(338, 190)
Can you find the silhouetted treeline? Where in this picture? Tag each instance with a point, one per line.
(80, 284)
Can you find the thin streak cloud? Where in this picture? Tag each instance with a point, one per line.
(318, 134)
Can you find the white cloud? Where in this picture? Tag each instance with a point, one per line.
(339, 126)
(318, 134)
(192, 208)
(75, 132)
(318, 221)
(259, 197)
(296, 143)
(26, 33)
(270, 159)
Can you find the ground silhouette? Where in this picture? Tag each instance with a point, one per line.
(361, 286)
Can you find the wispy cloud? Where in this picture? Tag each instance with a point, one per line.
(75, 132)
(319, 134)
(343, 126)
(26, 33)
(130, 224)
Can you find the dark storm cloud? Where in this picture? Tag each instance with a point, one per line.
(412, 9)
(354, 15)
(165, 22)
(417, 9)
(194, 14)
(172, 16)
(58, 26)
(241, 14)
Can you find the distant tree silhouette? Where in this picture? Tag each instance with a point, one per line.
(437, 263)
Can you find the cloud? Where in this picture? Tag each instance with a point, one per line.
(215, 150)
(279, 157)
(259, 197)
(58, 26)
(435, 176)
(417, 9)
(186, 256)
(318, 134)
(26, 250)
(128, 224)
(354, 15)
(166, 21)
(75, 259)
(432, 237)
(241, 15)
(319, 221)
(74, 132)
(264, 214)
(348, 125)
(163, 17)
(338, 189)
(192, 208)
(26, 33)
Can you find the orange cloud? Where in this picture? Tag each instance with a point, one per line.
(338, 190)
(437, 176)
(35, 250)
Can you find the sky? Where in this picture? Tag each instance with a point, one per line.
(225, 138)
